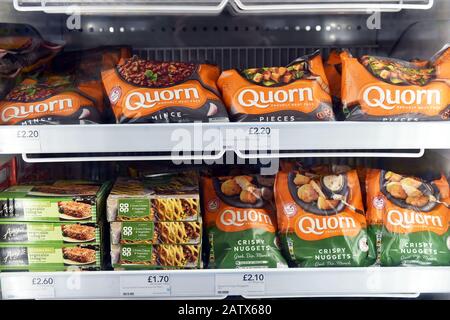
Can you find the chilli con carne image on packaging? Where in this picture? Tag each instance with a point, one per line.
(142, 91)
(386, 89)
(296, 92)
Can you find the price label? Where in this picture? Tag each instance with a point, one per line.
(27, 287)
(20, 140)
(264, 131)
(240, 284)
(145, 286)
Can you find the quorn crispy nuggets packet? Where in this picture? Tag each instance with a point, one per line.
(297, 92)
(386, 89)
(241, 222)
(408, 219)
(143, 91)
(321, 219)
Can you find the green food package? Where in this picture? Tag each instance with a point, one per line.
(48, 232)
(49, 257)
(241, 223)
(321, 219)
(63, 200)
(409, 218)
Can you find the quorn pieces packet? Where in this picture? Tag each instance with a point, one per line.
(408, 219)
(321, 219)
(386, 89)
(297, 92)
(241, 222)
(143, 91)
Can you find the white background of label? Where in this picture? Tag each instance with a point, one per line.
(234, 284)
(22, 288)
(12, 143)
(140, 287)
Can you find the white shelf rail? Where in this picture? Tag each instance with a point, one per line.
(327, 6)
(218, 284)
(217, 6)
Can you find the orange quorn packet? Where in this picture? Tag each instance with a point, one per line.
(297, 92)
(378, 88)
(143, 91)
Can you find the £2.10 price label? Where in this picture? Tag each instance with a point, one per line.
(243, 284)
(28, 287)
(155, 285)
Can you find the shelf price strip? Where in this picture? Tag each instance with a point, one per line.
(159, 285)
(240, 284)
(28, 287)
(20, 139)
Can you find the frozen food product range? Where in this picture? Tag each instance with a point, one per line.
(241, 222)
(143, 91)
(386, 89)
(56, 257)
(409, 218)
(161, 197)
(49, 232)
(296, 92)
(186, 232)
(160, 256)
(53, 202)
(321, 219)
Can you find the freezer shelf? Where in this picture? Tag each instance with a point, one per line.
(218, 284)
(220, 137)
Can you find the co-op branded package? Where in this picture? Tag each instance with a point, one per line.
(241, 222)
(142, 91)
(297, 92)
(321, 219)
(64, 200)
(408, 218)
(156, 256)
(386, 89)
(161, 197)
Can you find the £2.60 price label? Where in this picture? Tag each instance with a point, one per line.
(28, 287)
(241, 284)
(158, 285)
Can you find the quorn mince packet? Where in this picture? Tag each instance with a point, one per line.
(50, 257)
(241, 222)
(408, 219)
(53, 99)
(156, 256)
(48, 233)
(64, 200)
(143, 91)
(186, 232)
(387, 89)
(321, 219)
(296, 92)
(161, 197)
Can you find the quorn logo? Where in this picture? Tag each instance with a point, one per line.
(24, 111)
(312, 227)
(265, 97)
(146, 100)
(411, 219)
(236, 220)
(377, 97)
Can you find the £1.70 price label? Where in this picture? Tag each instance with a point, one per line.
(146, 286)
(243, 284)
(28, 287)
